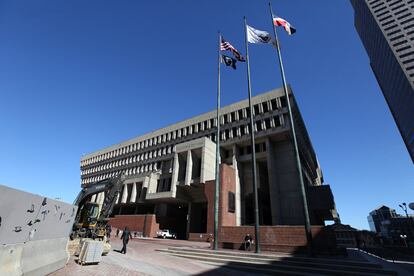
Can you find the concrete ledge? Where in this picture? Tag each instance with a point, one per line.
(10, 256)
(33, 258)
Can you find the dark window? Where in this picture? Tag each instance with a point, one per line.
(267, 123)
(283, 101)
(277, 121)
(242, 130)
(233, 116)
(265, 108)
(240, 114)
(234, 131)
(259, 126)
(397, 37)
(274, 105)
(256, 109)
(232, 202)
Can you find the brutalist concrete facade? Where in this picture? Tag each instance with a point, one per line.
(386, 28)
(166, 169)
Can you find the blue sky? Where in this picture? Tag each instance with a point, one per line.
(77, 76)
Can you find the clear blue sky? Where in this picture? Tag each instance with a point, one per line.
(77, 76)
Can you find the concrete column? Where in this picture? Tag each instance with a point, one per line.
(273, 185)
(189, 168)
(176, 166)
(133, 193)
(125, 194)
(98, 198)
(237, 195)
(93, 198)
(101, 201)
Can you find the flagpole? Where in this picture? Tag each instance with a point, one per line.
(217, 186)
(308, 229)
(253, 145)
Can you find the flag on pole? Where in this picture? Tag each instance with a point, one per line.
(226, 46)
(229, 61)
(277, 21)
(257, 36)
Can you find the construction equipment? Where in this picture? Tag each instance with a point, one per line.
(91, 221)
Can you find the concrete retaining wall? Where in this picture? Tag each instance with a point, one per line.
(34, 233)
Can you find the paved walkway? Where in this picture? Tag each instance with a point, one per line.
(143, 259)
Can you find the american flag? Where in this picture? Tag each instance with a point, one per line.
(226, 46)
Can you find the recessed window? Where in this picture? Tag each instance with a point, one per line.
(231, 202)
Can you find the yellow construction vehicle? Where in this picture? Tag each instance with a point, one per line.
(91, 220)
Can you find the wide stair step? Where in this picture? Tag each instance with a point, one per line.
(280, 265)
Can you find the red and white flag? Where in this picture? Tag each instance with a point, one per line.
(277, 21)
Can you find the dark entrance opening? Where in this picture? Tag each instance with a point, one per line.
(198, 218)
(174, 218)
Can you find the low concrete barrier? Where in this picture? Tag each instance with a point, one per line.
(34, 233)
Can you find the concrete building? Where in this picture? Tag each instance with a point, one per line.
(170, 171)
(386, 28)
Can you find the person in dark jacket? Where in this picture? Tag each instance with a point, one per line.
(247, 242)
(108, 230)
(126, 235)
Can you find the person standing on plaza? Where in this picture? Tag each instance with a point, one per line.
(126, 235)
(247, 242)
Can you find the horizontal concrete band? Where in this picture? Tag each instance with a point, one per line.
(33, 258)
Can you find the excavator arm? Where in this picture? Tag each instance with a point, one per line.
(111, 187)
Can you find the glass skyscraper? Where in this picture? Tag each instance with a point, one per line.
(386, 28)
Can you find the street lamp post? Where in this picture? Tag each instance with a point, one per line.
(404, 237)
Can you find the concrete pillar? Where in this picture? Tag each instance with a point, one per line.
(98, 198)
(189, 168)
(133, 193)
(176, 166)
(93, 198)
(273, 185)
(101, 200)
(237, 194)
(125, 194)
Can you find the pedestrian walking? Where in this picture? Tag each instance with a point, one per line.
(126, 235)
(108, 229)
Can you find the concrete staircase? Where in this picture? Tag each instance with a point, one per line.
(278, 265)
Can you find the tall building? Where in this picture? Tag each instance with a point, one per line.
(379, 215)
(168, 170)
(391, 225)
(386, 28)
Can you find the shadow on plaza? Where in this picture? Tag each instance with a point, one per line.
(305, 262)
(320, 249)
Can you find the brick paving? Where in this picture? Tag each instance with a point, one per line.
(143, 259)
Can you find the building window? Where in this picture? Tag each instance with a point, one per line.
(232, 202)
